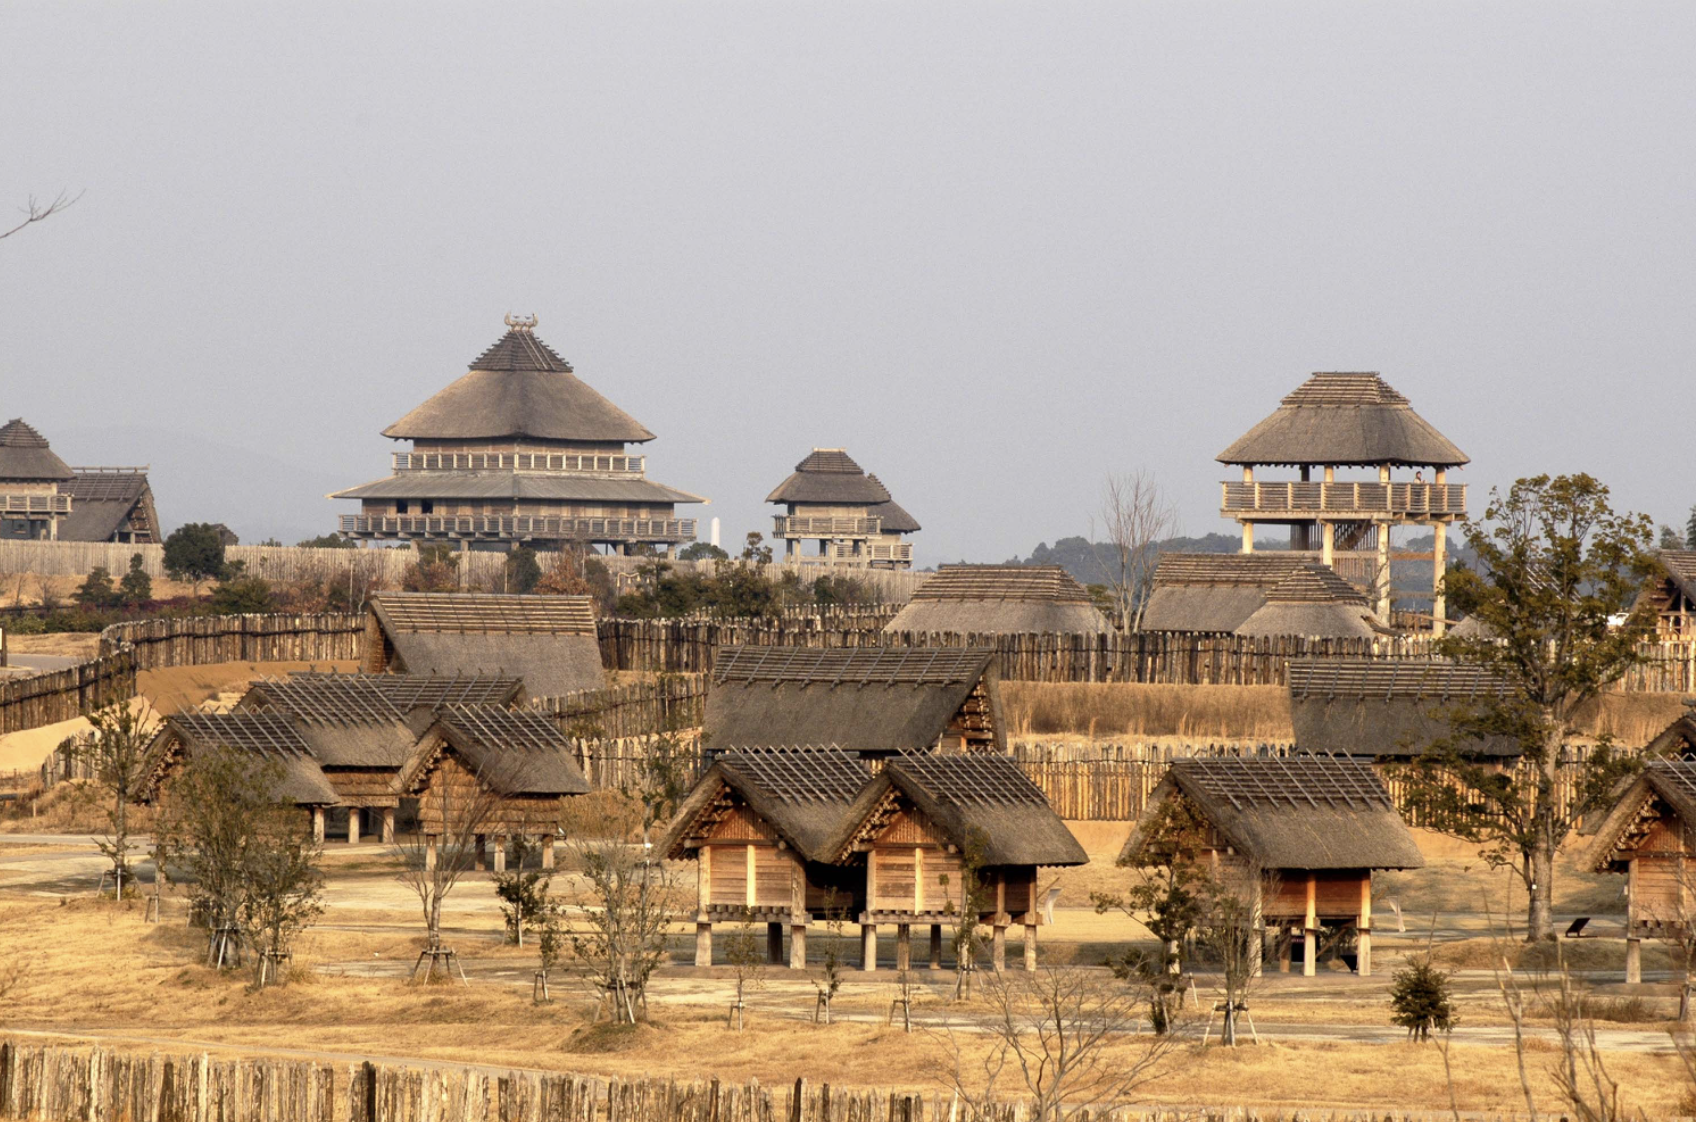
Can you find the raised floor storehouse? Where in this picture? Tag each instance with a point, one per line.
(519, 452)
(1350, 422)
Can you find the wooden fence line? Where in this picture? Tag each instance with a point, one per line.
(197, 640)
(671, 703)
(615, 763)
(59, 695)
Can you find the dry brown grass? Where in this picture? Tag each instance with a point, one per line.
(1116, 709)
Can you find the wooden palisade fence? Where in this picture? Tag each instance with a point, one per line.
(59, 695)
(675, 701)
(198, 640)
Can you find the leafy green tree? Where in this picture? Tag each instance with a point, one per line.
(1557, 590)
(523, 896)
(1420, 999)
(327, 541)
(523, 571)
(116, 753)
(243, 596)
(702, 551)
(96, 590)
(755, 551)
(436, 570)
(194, 552)
(137, 587)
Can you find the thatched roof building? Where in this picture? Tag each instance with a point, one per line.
(866, 700)
(1387, 708)
(1276, 593)
(1000, 599)
(1302, 835)
(268, 738)
(1313, 602)
(25, 456)
(1344, 419)
(1650, 835)
(1673, 594)
(829, 499)
(110, 505)
(549, 642)
(1677, 739)
(519, 450)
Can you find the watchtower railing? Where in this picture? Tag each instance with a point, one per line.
(524, 526)
(1333, 501)
(565, 463)
(35, 503)
(801, 526)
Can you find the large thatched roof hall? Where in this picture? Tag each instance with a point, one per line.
(1301, 835)
(519, 451)
(548, 642)
(1000, 599)
(1313, 602)
(874, 701)
(848, 516)
(1263, 594)
(1390, 709)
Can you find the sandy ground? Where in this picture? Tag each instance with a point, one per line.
(66, 644)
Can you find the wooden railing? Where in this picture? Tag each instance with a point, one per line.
(34, 504)
(801, 526)
(524, 526)
(1334, 501)
(520, 461)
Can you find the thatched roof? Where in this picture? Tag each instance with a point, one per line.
(804, 794)
(519, 388)
(547, 641)
(1003, 599)
(1471, 628)
(1677, 739)
(26, 458)
(1342, 420)
(268, 737)
(103, 502)
(864, 699)
(973, 800)
(1662, 786)
(519, 486)
(1386, 708)
(1214, 592)
(1680, 566)
(829, 475)
(1304, 813)
(892, 516)
(513, 751)
(1315, 602)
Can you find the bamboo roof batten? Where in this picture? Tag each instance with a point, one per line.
(1344, 419)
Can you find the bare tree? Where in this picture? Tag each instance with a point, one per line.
(619, 940)
(116, 753)
(1135, 515)
(745, 950)
(1062, 1035)
(453, 814)
(34, 210)
(1229, 930)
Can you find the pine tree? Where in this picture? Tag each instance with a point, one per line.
(137, 586)
(1420, 999)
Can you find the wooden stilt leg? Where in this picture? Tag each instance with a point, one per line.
(868, 946)
(1030, 946)
(703, 944)
(798, 946)
(998, 947)
(936, 946)
(903, 946)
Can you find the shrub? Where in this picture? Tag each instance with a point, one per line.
(194, 552)
(137, 587)
(243, 596)
(1420, 999)
(522, 570)
(96, 590)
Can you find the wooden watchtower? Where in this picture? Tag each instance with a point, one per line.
(1349, 422)
(33, 499)
(831, 501)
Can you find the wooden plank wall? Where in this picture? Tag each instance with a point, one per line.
(639, 709)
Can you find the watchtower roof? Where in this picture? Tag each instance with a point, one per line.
(24, 455)
(519, 387)
(830, 475)
(1342, 420)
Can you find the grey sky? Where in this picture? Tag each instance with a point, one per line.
(994, 250)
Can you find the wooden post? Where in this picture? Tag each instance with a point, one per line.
(1310, 931)
(429, 851)
(798, 946)
(774, 943)
(750, 889)
(1328, 543)
(998, 945)
(1363, 925)
(500, 853)
(548, 852)
(388, 825)
(1633, 961)
(481, 856)
(1381, 579)
(1439, 566)
(318, 824)
(353, 825)
(903, 946)
(868, 946)
(936, 946)
(1283, 942)
(1030, 945)
(703, 943)
(1248, 536)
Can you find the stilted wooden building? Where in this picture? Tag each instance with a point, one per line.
(548, 642)
(1001, 599)
(504, 771)
(519, 452)
(764, 829)
(1348, 421)
(269, 739)
(363, 729)
(849, 515)
(1673, 595)
(925, 822)
(872, 701)
(1390, 709)
(1650, 836)
(32, 504)
(1305, 832)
